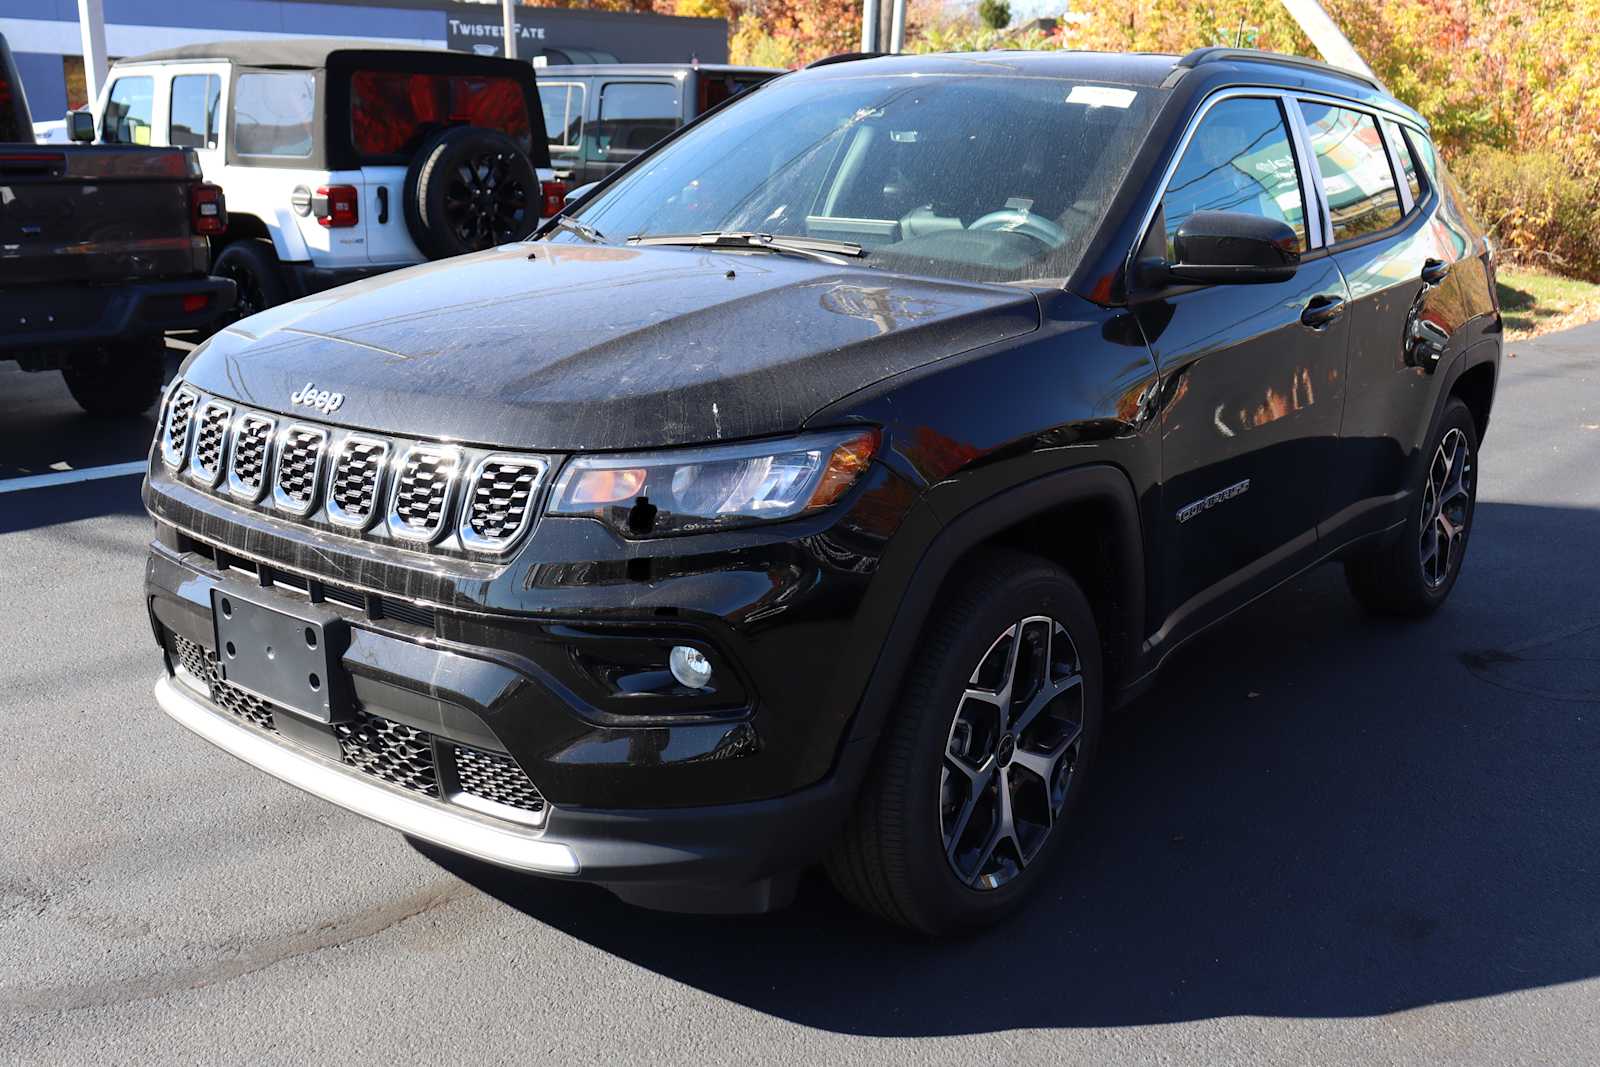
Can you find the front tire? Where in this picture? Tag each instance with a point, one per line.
(985, 757)
(1413, 575)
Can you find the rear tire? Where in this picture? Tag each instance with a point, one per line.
(253, 267)
(926, 846)
(1414, 574)
(118, 382)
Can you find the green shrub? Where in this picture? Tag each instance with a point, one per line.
(1541, 212)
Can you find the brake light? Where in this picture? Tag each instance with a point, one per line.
(555, 196)
(335, 206)
(208, 210)
(193, 302)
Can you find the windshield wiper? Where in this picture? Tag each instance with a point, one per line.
(813, 247)
(581, 229)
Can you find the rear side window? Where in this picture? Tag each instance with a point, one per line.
(635, 115)
(1239, 159)
(128, 111)
(274, 114)
(193, 123)
(1408, 162)
(393, 112)
(563, 113)
(1356, 178)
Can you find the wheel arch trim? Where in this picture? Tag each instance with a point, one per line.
(924, 578)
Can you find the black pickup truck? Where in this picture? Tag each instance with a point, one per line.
(102, 250)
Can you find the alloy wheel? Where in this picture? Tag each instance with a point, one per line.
(1446, 508)
(1011, 752)
(485, 204)
(250, 299)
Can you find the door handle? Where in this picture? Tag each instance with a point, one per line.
(1435, 271)
(1321, 311)
(383, 203)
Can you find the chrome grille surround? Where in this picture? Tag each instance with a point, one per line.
(424, 483)
(499, 501)
(355, 480)
(250, 456)
(175, 430)
(210, 441)
(301, 450)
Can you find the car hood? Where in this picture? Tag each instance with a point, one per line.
(566, 347)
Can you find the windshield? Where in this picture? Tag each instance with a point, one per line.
(993, 177)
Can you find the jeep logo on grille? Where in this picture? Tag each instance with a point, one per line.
(310, 396)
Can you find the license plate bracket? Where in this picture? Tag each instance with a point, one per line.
(289, 654)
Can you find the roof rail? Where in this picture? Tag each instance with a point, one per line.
(1221, 55)
(842, 57)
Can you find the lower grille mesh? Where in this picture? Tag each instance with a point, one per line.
(393, 751)
(496, 778)
(202, 666)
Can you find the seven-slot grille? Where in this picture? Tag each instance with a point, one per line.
(206, 463)
(255, 458)
(252, 439)
(353, 493)
(175, 442)
(500, 500)
(299, 461)
(422, 493)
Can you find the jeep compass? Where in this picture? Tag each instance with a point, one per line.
(811, 489)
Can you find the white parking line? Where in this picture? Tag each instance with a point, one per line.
(88, 474)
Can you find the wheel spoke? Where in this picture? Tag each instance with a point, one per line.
(1044, 698)
(1004, 828)
(979, 785)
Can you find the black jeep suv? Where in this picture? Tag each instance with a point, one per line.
(813, 489)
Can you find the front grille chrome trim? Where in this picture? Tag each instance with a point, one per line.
(337, 514)
(474, 488)
(179, 417)
(410, 814)
(285, 451)
(238, 486)
(448, 467)
(203, 424)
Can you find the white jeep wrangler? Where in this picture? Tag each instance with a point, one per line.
(342, 159)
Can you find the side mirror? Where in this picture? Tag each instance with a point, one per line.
(578, 194)
(80, 126)
(1233, 248)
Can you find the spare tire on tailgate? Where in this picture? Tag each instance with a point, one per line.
(469, 189)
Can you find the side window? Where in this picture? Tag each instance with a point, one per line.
(635, 115)
(1408, 162)
(563, 114)
(1240, 159)
(193, 122)
(128, 110)
(1356, 178)
(274, 114)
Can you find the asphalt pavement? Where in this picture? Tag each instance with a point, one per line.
(1322, 838)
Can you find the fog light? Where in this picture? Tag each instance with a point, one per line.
(690, 666)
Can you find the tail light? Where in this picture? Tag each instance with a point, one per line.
(208, 211)
(335, 206)
(555, 196)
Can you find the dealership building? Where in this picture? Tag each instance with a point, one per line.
(46, 42)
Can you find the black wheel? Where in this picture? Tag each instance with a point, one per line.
(119, 381)
(469, 189)
(983, 762)
(253, 268)
(1413, 575)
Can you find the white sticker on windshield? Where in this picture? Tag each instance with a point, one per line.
(1101, 96)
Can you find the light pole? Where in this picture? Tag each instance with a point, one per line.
(92, 29)
(508, 26)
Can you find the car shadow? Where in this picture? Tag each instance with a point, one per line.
(1313, 814)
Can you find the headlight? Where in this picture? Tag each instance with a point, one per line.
(696, 489)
